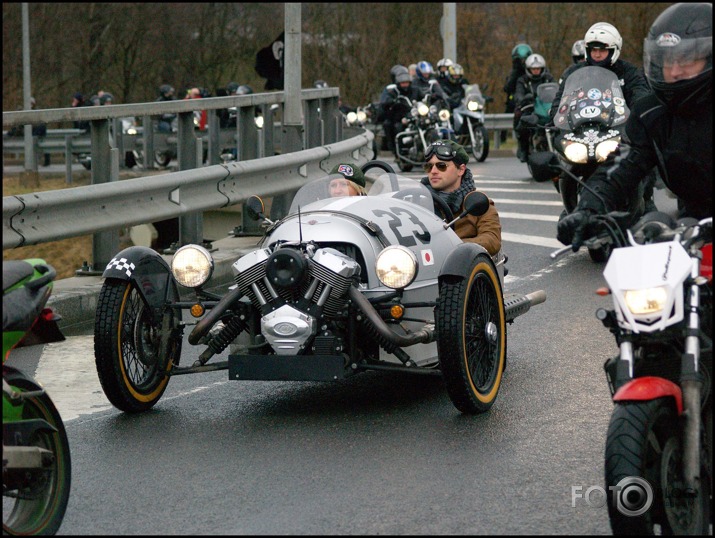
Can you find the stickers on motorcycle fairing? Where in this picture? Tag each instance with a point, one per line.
(606, 104)
(580, 94)
(604, 115)
(563, 109)
(618, 101)
(597, 103)
(121, 265)
(594, 93)
(607, 94)
(620, 110)
(590, 111)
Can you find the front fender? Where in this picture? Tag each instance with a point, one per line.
(461, 260)
(650, 388)
(149, 272)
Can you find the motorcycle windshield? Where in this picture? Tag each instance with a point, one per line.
(318, 194)
(545, 95)
(473, 93)
(591, 95)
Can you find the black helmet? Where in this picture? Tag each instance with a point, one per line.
(165, 88)
(231, 87)
(682, 39)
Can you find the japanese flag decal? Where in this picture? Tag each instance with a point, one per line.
(427, 257)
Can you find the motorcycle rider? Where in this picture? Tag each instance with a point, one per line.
(393, 108)
(670, 128)
(536, 73)
(519, 54)
(453, 85)
(353, 183)
(443, 66)
(578, 51)
(448, 176)
(166, 93)
(425, 84)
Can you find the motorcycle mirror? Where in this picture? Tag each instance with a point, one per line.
(475, 203)
(255, 208)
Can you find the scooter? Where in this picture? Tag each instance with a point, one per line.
(36, 466)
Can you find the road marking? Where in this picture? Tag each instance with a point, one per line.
(531, 240)
(525, 202)
(528, 216)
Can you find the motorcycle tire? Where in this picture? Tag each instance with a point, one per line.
(480, 147)
(600, 254)
(126, 347)
(568, 189)
(404, 166)
(162, 158)
(471, 337)
(39, 508)
(643, 441)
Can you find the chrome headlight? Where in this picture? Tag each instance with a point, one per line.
(646, 301)
(444, 114)
(605, 148)
(192, 266)
(473, 106)
(422, 109)
(361, 116)
(351, 118)
(396, 267)
(576, 152)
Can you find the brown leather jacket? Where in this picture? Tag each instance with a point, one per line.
(484, 230)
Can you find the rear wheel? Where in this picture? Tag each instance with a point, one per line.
(127, 347)
(471, 337)
(35, 500)
(643, 442)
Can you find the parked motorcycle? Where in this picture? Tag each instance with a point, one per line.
(535, 116)
(468, 120)
(659, 442)
(36, 468)
(425, 124)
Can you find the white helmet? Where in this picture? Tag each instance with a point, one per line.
(606, 35)
(578, 50)
(535, 61)
(445, 62)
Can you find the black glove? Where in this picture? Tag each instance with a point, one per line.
(574, 228)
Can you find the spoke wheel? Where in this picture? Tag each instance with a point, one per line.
(644, 441)
(480, 147)
(127, 342)
(35, 501)
(471, 337)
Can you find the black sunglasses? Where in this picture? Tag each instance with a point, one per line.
(443, 151)
(441, 166)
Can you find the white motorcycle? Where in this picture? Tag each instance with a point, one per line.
(469, 123)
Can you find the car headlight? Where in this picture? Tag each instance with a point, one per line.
(422, 109)
(351, 117)
(396, 267)
(646, 301)
(444, 114)
(192, 266)
(605, 148)
(473, 106)
(576, 152)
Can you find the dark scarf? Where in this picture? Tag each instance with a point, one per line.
(454, 199)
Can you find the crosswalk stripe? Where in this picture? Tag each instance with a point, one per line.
(531, 240)
(528, 216)
(525, 202)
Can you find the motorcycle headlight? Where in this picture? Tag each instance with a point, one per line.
(605, 148)
(444, 114)
(396, 267)
(474, 106)
(576, 152)
(132, 131)
(259, 122)
(192, 266)
(361, 116)
(422, 109)
(351, 117)
(646, 301)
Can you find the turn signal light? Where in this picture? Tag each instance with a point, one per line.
(397, 311)
(603, 291)
(197, 310)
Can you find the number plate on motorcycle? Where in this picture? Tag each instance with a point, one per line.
(286, 367)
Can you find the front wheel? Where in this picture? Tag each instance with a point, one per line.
(568, 189)
(644, 443)
(471, 337)
(35, 500)
(127, 347)
(480, 143)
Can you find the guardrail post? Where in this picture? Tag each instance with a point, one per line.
(247, 133)
(269, 148)
(328, 111)
(315, 128)
(104, 244)
(68, 158)
(190, 226)
(148, 142)
(214, 127)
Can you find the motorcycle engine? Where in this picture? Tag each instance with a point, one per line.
(294, 290)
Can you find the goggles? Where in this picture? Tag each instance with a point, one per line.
(444, 152)
(441, 166)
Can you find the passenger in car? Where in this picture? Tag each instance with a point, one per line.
(451, 180)
(351, 184)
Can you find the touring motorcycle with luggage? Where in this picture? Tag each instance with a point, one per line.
(658, 457)
(36, 466)
(338, 287)
(468, 119)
